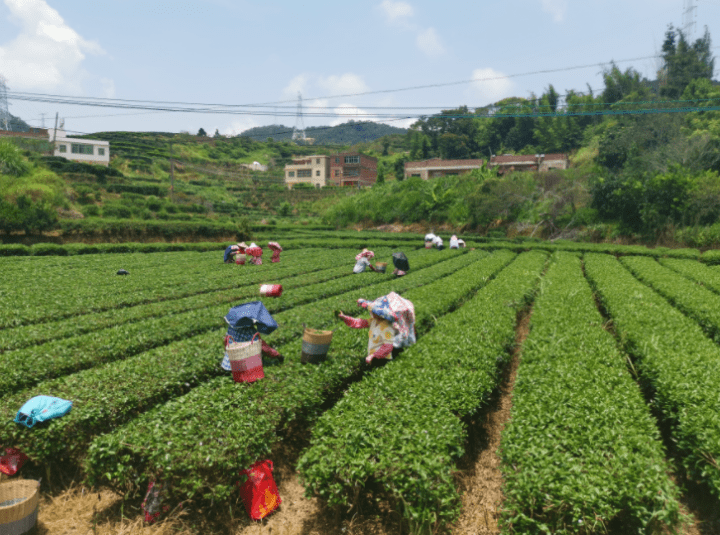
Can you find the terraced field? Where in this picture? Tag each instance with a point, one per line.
(616, 387)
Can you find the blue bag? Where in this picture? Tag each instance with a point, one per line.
(41, 408)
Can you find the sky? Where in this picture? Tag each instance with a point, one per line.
(389, 61)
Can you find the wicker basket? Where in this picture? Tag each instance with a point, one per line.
(19, 500)
(240, 259)
(381, 266)
(244, 350)
(315, 345)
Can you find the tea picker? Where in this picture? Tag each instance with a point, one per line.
(401, 263)
(255, 253)
(392, 325)
(245, 324)
(429, 239)
(438, 242)
(362, 261)
(276, 250)
(230, 251)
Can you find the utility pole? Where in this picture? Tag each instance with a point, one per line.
(57, 114)
(4, 113)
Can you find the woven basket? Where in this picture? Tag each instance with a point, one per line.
(240, 259)
(243, 350)
(18, 506)
(381, 266)
(428, 245)
(315, 345)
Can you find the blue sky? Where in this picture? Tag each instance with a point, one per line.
(242, 52)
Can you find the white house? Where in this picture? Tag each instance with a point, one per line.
(80, 150)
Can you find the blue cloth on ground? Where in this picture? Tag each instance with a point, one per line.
(42, 408)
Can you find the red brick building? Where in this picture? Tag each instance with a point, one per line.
(353, 169)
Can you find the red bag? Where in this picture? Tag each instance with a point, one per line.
(11, 462)
(259, 492)
(271, 290)
(153, 505)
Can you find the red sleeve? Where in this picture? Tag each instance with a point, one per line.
(354, 323)
(381, 353)
(269, 351)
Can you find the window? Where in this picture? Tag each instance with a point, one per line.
(101, 151)
(62, 148)
(291, 174)
(78, 148)
(337, 159)
(317, 160)
(352, 159)
(352, 172)
(317, 173)
(304, 173)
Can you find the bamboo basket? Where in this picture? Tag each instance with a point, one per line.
(19, 500)
(315, 345)
(381, 266)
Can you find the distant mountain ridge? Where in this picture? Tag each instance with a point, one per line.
(349, 133)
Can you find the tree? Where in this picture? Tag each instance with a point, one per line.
(399, 167)
(202, 133)
(385, 146)
(217, 133)
(380, 174)
(619, 85)
(684, 62)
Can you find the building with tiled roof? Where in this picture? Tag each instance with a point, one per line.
(528, 162)
(436, 167)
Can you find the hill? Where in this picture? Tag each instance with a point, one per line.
(350, 133)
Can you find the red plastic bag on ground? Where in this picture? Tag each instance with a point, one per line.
(153, 505)
(11, 462)
(259, 492)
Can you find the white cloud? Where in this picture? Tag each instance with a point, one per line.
(47, 54)
(108, 87)
(237, 126)
(345, 84)
(429, 42)
(396, 12)
(556, 8)
(296, 85)
(348, 112)
(490, 85)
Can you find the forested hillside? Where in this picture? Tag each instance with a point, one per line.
(350, 133)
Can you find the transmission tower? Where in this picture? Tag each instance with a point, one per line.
(299, 130)
(4, 112)
(688, 19)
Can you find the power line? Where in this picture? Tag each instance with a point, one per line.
(228, 108)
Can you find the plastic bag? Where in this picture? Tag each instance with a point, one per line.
(259, 492)
(12, 461)
(152, 505)
(41, 408)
